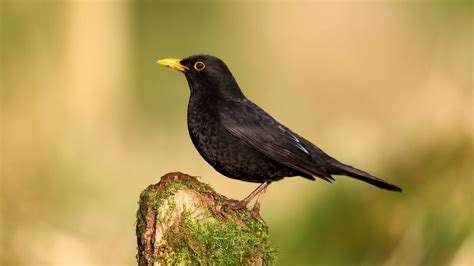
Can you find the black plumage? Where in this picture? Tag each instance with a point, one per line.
(242, 141)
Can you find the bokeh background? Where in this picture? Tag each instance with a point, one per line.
(88, 120)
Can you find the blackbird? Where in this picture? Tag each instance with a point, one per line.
(242, 141)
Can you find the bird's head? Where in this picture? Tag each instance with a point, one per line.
(207, 75)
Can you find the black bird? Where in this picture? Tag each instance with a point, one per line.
(242, 141)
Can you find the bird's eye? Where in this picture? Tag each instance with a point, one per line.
(199, 66)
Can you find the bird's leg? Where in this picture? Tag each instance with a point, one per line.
(260, 189)
(256, 207)
(243, 203)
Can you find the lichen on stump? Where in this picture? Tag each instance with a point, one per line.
(181, 220)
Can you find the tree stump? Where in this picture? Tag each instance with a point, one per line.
(183, 221)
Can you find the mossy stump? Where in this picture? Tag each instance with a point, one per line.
(183, 221)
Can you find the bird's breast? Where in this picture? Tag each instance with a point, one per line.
(207, 133)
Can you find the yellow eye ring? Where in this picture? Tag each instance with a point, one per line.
(199, 65)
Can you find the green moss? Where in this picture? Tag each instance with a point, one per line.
(220, 237)
(234, 241)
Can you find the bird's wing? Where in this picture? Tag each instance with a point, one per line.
(252, 125)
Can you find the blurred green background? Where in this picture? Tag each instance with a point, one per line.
(88, 120)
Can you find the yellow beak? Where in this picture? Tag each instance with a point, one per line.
(173, 63)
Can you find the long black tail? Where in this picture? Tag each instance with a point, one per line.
(343, 169)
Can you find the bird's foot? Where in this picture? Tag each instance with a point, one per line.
(240, 205)
(235, 205)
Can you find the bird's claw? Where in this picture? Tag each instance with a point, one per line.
(235, 205)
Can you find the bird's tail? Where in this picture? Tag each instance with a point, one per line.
(343, 169)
